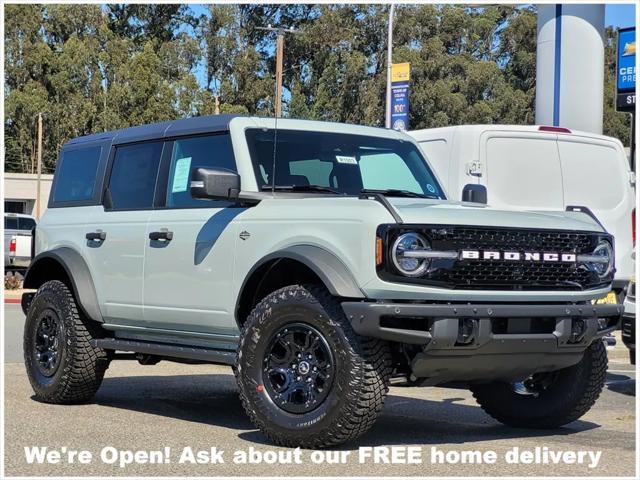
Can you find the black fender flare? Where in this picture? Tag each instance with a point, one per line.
(77, 272)
(328, 267)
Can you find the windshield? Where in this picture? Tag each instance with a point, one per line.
(339, 163)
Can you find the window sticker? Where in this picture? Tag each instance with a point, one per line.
(346, 160)
(431, 188)
(181, 175)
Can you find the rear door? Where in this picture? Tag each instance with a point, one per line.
(116, 232)
(596, 174)
(437, 151)
(523, 170)
(189, 244)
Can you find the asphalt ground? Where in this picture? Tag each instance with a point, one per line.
(196, 406)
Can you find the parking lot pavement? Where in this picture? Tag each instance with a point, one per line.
(177, 406)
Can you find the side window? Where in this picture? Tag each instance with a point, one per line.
(133, 176)
(211, 151)
(76, 175)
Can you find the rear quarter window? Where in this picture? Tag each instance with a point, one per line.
(76, 175)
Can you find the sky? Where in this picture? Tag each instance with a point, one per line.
(620, 15)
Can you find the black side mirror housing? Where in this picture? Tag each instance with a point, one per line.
(474, 193)
(215, 184)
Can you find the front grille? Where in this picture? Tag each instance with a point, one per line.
(500, 274)
(496, 273)
(508, 239)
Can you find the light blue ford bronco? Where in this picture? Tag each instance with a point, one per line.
(319, 260)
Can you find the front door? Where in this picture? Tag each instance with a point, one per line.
(190, 244)
(116, 232)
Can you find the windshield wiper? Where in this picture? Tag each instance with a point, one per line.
(301, 188)
(391, 192)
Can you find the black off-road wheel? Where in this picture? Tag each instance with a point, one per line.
(305, 378)
(547, 400)
(62, 365)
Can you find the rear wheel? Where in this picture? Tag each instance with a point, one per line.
(305, 378)
(62, 365)
(547, 400)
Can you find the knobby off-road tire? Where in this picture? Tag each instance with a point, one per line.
(357, 391)
(79, 368)
(573, 392)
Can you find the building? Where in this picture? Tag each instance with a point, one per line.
(20, 192)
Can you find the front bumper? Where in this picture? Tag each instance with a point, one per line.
(481, 342)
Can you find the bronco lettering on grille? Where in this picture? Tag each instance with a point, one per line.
(517, 256)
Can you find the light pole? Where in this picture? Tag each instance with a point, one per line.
(387, 122)
(280, 32)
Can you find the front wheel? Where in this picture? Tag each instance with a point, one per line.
(305, 378)
(547, 400)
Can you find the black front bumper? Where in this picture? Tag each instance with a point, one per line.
(504, 341)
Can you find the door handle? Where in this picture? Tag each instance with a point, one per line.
(161, 235)
(96, 236)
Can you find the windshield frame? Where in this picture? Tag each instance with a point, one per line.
(280, 188)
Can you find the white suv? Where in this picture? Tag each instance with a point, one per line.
(317, 259)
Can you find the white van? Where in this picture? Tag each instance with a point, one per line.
(541, 168)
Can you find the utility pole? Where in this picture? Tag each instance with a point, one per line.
(279, 53)
(39, 167)
(280, 32)
(387, 122)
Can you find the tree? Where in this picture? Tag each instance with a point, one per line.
(91, 68)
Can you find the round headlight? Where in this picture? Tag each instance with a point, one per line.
(604, 265)
(410, 266)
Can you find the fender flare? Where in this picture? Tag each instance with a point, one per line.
(78, 273)
(329, 268)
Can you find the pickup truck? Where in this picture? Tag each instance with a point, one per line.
(17, 240)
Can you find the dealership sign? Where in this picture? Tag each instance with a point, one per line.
(626, 70)
(400, 96)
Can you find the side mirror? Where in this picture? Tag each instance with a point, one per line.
(215, 184)
(474, 193)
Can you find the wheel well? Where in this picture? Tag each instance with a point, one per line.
(269, 277)
(44, 270)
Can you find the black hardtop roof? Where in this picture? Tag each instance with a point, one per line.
(185, 126)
